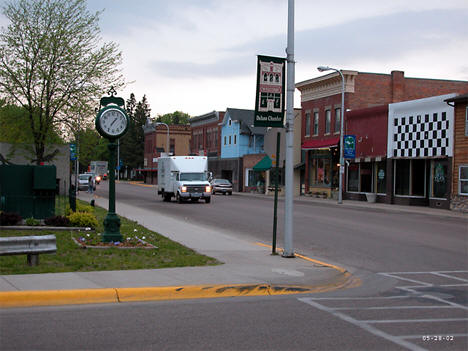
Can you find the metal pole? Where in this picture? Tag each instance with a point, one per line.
(275, 210)
(288, 217)
(340, 191)
(118, 159)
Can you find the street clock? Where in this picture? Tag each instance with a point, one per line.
(112, 122)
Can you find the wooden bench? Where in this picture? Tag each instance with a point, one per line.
(31, 246)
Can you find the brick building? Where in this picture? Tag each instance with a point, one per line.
(206, 134)
(156, 144)
(321, 111)
(459, 186)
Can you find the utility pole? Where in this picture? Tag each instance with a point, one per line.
(289, 186)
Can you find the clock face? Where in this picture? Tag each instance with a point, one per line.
(113, 122)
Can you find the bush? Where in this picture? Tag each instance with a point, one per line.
(82, 219)
(81, 208)
(31, 221)
(57, 221)
(9, 218)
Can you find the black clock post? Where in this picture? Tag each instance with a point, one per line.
(112, 123)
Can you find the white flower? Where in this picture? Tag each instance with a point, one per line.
(135, 230)
(144, 237)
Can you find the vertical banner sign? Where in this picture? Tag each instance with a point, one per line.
(271, 94)
(349, 143)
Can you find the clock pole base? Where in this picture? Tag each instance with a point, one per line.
(111, 228)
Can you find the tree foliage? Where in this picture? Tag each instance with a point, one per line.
(132, 144)
(53, 64)
(176, 117)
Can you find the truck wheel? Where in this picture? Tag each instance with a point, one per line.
(179, 199)
(166, 198)
(207, 200)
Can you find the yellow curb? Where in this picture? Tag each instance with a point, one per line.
(56, 297)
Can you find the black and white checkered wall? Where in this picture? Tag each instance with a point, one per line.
(421, 130)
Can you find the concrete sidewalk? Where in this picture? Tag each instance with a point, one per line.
(248, 269)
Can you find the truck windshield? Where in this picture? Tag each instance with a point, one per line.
(193, 176)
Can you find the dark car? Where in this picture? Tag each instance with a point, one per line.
(221, 186)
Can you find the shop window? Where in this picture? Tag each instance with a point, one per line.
(380, 177)
(327, 121)
(463, 180)
(307, 124)
(439, 178)
(353, 177)
(320, 171)
(410, 177)
(402, 177)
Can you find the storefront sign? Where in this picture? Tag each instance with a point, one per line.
(349, 146)
(270, 96)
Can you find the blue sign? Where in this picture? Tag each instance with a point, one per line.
(72, 152)
(349, 146)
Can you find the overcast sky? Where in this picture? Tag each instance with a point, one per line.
(200, 55)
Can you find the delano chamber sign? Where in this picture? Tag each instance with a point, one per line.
(270, 96)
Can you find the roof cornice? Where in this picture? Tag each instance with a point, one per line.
(327, 85)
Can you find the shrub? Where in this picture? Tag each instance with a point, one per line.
(31, 221)
(83, 219)
(80, 208)
(9, 218)
(57, 221)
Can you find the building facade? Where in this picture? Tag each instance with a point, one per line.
(156, 143)
(206, 134)
(321, 114)
(459, 185)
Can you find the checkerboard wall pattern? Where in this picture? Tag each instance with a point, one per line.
(424, 135)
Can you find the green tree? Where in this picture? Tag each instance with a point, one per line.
(51, 61)
(92, 147)
(176, 117)
(132, 144)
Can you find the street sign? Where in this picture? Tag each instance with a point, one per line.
(270, 96)
(349, 146)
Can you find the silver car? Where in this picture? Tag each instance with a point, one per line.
(223, 186)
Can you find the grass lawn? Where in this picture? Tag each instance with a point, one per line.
(71, 257)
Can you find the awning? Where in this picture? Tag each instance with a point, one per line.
(320, 144)
(263, 165)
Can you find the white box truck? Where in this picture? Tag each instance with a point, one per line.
(184, 177)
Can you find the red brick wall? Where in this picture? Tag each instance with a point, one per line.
(204, 128)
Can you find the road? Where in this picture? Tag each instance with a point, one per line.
(414, 292)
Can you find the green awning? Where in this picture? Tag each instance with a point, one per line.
(263, 165)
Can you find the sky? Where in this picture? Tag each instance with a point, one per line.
(197, 56)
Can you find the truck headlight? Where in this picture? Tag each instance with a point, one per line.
(183, 189)
(208, 189)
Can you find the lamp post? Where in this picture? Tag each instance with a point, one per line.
(167, 141)
(341, 172)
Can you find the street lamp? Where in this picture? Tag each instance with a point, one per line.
(322, 69)
(164, 124)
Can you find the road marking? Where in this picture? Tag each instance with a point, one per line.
(363, 325)
(391, 308)
(431, 320)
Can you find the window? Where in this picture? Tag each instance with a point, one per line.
(229, 140)
(353, 177)
(225, 140)
(316, 123)
(439, 184)
(337, 120)
(235, 139)
(360, 177)
(307, 124)
(320, 171)
(230, 122)
(380, 172)
(410, 177)
(463, 180)
(327, 121)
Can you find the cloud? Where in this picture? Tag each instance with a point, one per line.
(388, 37)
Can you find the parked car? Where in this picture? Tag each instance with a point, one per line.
(223, 186)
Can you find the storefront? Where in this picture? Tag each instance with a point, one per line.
(321, 166)
(420, 149)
